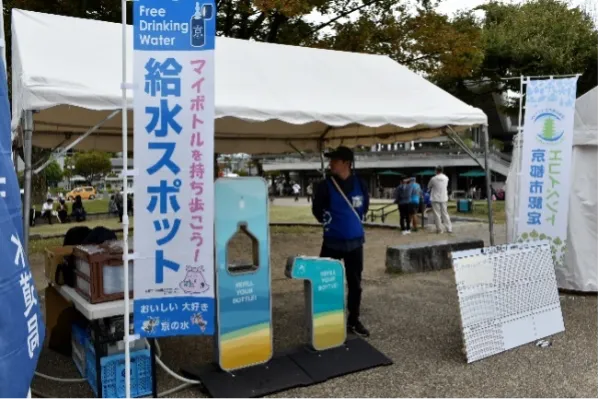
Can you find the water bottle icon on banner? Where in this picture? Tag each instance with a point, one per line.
(198, 24)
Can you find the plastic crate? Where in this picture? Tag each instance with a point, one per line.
(79, 341)
(113, 373)
(79, 358)
(79, 335)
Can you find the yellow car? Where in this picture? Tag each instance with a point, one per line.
(86, 193)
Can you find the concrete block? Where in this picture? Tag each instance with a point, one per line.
(427, 256)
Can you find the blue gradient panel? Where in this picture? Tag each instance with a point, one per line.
(324, 299)
(244, 335)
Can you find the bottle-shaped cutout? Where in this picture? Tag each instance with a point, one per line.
(198, 24)
(240, 247)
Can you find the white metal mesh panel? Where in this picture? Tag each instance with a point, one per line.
(507, 297)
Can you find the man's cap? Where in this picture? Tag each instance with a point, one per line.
(439, 168)
(341, 153)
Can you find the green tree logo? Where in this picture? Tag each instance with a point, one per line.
(549, 128)
(558, 246)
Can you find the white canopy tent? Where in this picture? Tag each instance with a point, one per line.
(269, 98)
(580, 272)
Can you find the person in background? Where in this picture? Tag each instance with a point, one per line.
(416, 195)
(63, 212)
(402, 197)
(296, 190)
(112, 206)
(119, 204)
(271, 191)
(130, 204)
(309, 192)
(439, 196)
(340, 204)
(471, 194)
(48, 210)
(77, 210)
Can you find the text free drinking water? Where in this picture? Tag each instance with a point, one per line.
(154, 26)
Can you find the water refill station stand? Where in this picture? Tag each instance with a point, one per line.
(267, 99)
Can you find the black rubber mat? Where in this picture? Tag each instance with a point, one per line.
(281, 373)
(356, 355)
(299, 367)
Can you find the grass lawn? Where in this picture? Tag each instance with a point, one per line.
(278, 214)
(303, 213)
(111, 223)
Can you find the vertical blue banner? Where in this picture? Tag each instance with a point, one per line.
(174, 110)
(21, 326)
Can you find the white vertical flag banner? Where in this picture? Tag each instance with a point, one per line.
(546, 163)
(174, 108)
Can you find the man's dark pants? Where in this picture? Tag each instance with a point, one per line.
(404, 215)
(353, 265)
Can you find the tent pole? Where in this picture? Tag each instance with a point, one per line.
(322, 140)
(79, 140)
(323, 169)
(27, 145)
(457, 140)
(488, 186)
(517, 183)
(126, 335)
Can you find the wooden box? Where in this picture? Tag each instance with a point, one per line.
(99, 272)
(54, 257)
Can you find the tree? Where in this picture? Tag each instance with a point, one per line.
(538, 37)
(429, 43)
(273, 21)
(92, 165)
(53, 173)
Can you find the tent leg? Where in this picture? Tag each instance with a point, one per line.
(323, 169)
(77, 141)
(27, 145)
(457, 140)
(488, 186)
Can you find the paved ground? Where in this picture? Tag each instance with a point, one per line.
(414, 320)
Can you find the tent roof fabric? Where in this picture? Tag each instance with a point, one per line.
(586, 119)
(269, 98)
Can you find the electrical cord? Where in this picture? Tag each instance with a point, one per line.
(173, 390)
(157, 358)
(40, 394)
(187, 382)
(65, 380)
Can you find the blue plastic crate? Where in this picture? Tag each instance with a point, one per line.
(113, 374)
(79, 341)
(79, 335)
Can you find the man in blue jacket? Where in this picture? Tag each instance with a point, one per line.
(340, 204)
